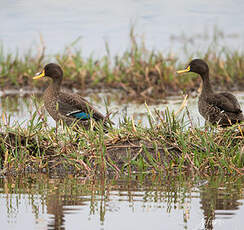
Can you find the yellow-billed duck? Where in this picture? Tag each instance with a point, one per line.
(216, 108)
(64, 106)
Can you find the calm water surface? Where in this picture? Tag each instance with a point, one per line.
(60, 22)
(127, 203)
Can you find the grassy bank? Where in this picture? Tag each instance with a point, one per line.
(141, 73)
(165, 147)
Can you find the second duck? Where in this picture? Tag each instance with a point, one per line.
(216, 108)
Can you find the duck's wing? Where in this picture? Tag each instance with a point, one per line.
(232, 99)
(68, 110)
(73, 105)
(225, 101)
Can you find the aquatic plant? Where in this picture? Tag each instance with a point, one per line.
(143, 74)
(166, 147)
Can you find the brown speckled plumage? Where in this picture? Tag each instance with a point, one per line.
(216, 108)
(60, 105)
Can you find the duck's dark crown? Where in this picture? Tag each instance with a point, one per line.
(53, 70)
(199, 66)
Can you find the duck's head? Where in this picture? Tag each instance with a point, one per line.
(197, 66)
(51, 70)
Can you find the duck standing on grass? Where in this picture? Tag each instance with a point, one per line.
(217, 108)
(70, 108)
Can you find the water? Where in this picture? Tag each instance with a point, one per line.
(21, 108)
(125, 203)
(60, 23)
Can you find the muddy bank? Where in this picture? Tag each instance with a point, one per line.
(118, 156)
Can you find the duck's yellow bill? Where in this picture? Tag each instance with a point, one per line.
(184, 70)
(39, 75)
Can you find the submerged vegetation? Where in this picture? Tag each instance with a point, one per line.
(166, 147)
(142, 74)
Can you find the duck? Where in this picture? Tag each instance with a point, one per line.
(222, 108)
(68, 107)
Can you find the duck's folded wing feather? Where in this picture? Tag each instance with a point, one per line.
(74, 104)
(225, 101)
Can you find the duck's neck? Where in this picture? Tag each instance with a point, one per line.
(207, 88)
(54, 87)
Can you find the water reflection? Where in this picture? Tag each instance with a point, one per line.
(219, 202)
(71, 203)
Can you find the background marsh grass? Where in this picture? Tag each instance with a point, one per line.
(143, 74)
